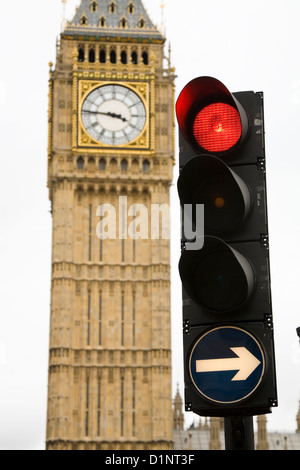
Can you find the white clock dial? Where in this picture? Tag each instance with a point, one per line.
(113, 115)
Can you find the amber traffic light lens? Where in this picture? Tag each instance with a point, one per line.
(224, 204)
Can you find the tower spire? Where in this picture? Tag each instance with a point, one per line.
(63, 21)
(162, 26)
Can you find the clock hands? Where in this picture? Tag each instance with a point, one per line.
(121, 114)
(113, 115)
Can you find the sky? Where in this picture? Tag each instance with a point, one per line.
(248, 46)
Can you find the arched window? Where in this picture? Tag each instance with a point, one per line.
(80, 163)
(131, 8)
(102, 22)
(102, 164)
(102, 56)
(145, 58)
(142, 23)
(135, 166)
(146, 166)
(113, 56)
(94, 6)
(134, 57)
(124, 166)
(80, 55)
(112, 7)
(123, 23)
(83, 20)
(91, 55)
(91, 164)
(113, 165)
(124, 57)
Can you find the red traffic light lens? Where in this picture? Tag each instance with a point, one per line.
(217, 127)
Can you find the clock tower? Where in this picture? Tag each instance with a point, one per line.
(110, 164)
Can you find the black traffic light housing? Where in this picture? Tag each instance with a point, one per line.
(226, 279)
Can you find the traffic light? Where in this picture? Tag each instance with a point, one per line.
(228, 341)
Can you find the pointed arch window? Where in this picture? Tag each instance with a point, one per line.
(102, 56)
(113, 56)
(83, 20)
(135, 166)
(131, 8)
(124, 57)
(102, 164)
(146, 166)
(124, 166)
(145, 58)
(92, 57)
(134, 57)
(94, 6)
(91, 164)
(113, 165)
(80, 163)
(123, 23)
(80, 54)
(142, 23)
(102, 22)
(112, 7)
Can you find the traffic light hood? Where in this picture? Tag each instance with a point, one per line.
(210, 117)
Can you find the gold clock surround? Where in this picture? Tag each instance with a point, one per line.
(84, 142)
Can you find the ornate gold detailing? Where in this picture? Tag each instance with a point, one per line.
(141, 84)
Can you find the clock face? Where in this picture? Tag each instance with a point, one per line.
(113, 115)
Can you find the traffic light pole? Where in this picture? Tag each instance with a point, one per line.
(239, 434)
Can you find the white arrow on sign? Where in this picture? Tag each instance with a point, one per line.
(245, 363)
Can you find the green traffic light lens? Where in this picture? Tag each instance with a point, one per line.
(217, 277)
(221, 283)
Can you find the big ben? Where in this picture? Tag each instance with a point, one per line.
(110, 162)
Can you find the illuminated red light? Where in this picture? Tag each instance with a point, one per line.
(217, 127)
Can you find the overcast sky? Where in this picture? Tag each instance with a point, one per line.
(247, 45)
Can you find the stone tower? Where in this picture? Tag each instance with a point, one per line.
(262, 434)
(110, 164)
(178, 417)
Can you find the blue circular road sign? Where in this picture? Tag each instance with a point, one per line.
(227, 364)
